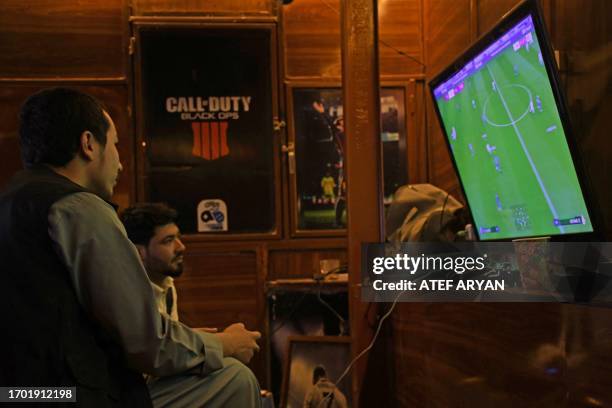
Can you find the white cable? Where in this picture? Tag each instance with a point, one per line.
(373, 339)
(365, 350)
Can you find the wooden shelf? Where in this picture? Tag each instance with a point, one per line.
(340, 284)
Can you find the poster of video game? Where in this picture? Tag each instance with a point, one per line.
(207, 105)
(320, 153)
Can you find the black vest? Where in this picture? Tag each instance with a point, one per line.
(48, 338)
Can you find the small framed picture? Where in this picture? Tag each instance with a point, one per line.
(318, 178)
(313, 366)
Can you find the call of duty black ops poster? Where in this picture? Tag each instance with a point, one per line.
(207, 104)
(320, 153)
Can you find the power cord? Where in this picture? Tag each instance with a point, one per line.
(443, 208)
(441, 218)
(402, 53)
(342, 268)
(365, 350)
(331, 309)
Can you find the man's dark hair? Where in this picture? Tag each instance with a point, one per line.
(141, 220)
(52, 122)
(318, 373)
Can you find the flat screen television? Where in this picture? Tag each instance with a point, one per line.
(507, 128)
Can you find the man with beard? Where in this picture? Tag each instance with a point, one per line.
(78, 304)
(153, 230)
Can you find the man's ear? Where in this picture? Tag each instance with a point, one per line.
(87, 146)
(142, 251)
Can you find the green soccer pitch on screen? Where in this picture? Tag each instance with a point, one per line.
(508, 142)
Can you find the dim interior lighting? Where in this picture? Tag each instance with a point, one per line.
(594, 402)
(144, 144)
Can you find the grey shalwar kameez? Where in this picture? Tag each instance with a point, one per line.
(112, 286)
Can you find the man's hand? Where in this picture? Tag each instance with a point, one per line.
(239, 342)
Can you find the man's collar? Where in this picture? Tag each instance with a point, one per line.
(167, 283)
(46, 169)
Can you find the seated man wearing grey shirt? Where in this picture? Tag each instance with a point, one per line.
(152, 228)
(78, 302)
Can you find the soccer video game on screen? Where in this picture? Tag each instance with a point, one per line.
(508, 142)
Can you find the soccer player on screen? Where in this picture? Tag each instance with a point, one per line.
(497, 164)
(539, 103)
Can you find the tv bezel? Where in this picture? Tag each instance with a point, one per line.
(506, 22)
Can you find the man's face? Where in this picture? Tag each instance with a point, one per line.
(164, 254)
(108, 164)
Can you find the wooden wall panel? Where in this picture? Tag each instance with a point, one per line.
(583, 34)
(300, 263)
(447, 25)
(584, 25)
(220, 287)
(480, 355)
(400, 28)
(312, 39)
(49, 39)
(490, 11)
(588, 348)
(445, 38)
(503, 355)
(114, 97)
(204, 7)
(417, 142)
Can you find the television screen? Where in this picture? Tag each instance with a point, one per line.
(503, 117)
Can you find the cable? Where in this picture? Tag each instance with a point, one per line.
(330, 308)
(290, 315)
(426, 223)
(339, 269)
(443, 208)
(330, 6)
(365, 350)
(402, 53)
